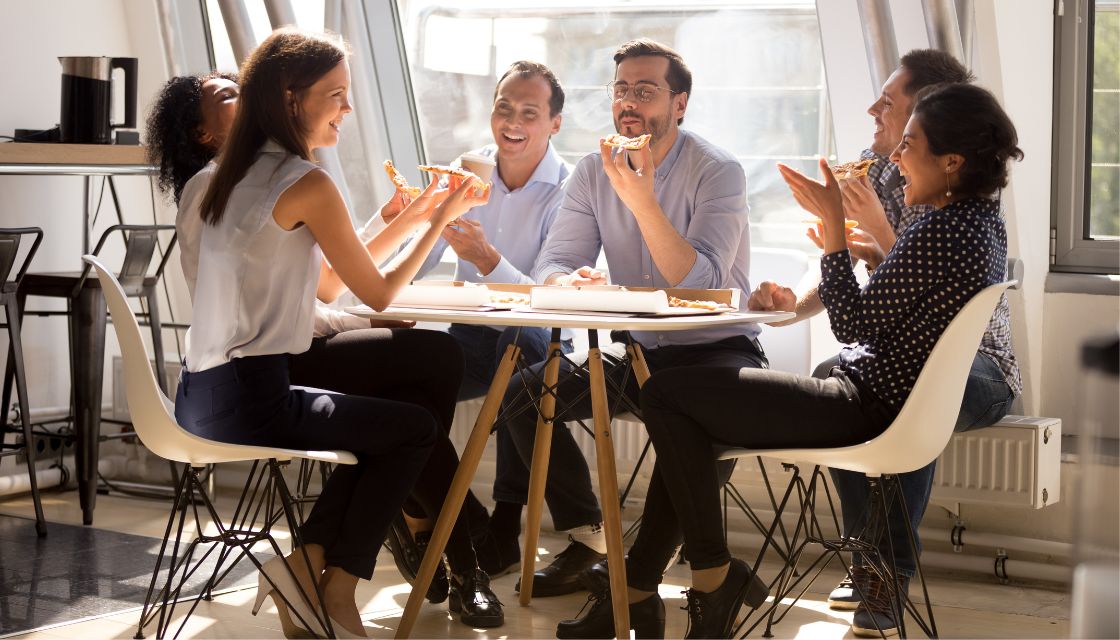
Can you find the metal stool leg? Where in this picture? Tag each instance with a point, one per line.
(15, 358)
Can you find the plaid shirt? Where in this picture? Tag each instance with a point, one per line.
(996, 343)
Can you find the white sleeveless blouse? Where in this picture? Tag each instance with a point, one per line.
(255, 293)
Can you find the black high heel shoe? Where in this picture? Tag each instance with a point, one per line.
(472, 599)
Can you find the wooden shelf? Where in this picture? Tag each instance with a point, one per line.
(25, 153)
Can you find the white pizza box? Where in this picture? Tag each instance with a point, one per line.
(599, 298)
(442, 293)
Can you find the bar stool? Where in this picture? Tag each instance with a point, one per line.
(10, 240)
(85, 309)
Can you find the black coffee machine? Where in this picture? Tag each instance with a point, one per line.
(87, 98)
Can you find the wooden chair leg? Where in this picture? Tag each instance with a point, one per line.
(468, 464)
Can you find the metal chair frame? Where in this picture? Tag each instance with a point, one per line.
(14, 370)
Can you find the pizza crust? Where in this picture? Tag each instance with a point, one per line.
(400, 182)
(853, 169)
(456, 176)
(696, 304)
(630, 144)
(848, 224)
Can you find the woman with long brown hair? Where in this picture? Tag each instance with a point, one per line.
(190, 120)
(267, 212)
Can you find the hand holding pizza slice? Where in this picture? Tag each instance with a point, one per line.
(457, 176)
(400, 182)
(620, 141)
(852, 170)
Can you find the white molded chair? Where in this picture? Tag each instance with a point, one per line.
(153, 417)
(915, 438)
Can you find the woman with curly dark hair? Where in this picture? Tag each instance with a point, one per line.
(188, 125)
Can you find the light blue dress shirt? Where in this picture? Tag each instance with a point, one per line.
(515, 222)
(702, 190)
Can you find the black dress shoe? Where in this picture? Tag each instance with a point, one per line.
(712, 615)
(647, 618)
(407, 555)
(498, 553)
(437, 591)
(563, 575)
(596, 578)
(472, 599)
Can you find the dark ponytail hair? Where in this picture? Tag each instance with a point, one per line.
(172, 131)
(967, 120)
(288, 60)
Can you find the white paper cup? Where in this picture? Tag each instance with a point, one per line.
(478, 164)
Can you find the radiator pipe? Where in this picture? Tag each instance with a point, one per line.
(17, 480)
(959, 536)
(1000, 565)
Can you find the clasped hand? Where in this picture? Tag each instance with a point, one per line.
(770, 296)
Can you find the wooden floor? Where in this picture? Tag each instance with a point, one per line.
(967, 607)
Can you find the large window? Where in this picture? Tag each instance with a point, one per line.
(1086, 211)
(1104, 105)
(758, 80)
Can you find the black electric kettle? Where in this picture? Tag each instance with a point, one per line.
(87, 98)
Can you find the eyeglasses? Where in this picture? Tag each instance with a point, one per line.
(643, 91)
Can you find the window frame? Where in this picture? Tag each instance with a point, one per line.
(1071, 248)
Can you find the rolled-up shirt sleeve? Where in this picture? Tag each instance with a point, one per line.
(504, 273)
(574, 240)
(716, 226)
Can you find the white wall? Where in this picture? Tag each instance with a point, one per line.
(35, 34)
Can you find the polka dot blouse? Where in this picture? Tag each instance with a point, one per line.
(936, 266)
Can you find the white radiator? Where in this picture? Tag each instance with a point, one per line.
(1012, 463)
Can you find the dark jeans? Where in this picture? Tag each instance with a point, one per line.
(568, 490)
(692, 412)
(408, 365)
(483, 348)
(250, 401)
(987, 399)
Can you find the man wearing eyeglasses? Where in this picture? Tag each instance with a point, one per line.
(673, 214)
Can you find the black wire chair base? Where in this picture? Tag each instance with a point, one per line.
(809, 552)
(265, 494)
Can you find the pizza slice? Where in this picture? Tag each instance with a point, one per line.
(848, 224)
(400, 182)
(630, 144)
(708, 305)
(456, 176)
(853, 169)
